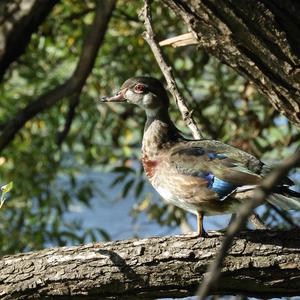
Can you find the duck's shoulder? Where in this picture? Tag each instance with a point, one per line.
(201, 152)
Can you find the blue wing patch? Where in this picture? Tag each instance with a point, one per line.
(213, 155)
(221, 187)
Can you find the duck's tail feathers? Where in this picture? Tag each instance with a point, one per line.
(285, 198)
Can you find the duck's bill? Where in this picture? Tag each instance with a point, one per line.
(118, 97)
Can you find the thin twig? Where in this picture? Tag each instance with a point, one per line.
(204, 120)
(257, 222)
(284, 215)
(149, 37)
(260, 194)
(61, 135)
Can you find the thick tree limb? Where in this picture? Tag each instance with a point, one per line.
(149, 36)
(263, 263)
(74, 84)
(263, 45)
(18, 20)
(261, 193)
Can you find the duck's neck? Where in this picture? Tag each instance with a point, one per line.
(159, 133)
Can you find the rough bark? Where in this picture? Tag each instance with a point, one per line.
(263, 263)
(18, 20)
(260, 39)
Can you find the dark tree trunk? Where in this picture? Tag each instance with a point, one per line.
(260, 263)
(18, 20)
(260, 39)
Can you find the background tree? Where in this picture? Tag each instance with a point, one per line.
(44, 156)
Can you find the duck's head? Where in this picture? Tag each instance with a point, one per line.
(146, 92)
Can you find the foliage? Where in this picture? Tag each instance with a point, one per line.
(5, 189)
(107, 137)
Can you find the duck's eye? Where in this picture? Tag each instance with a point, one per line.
(139, 88)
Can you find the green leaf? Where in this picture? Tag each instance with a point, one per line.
(127, 187)
(5, 189)
(117, 180)
(123, 169)
(105, 235)
(139, 188)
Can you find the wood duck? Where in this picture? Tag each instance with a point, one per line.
(205, 177)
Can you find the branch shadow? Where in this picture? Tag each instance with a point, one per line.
(121, 263)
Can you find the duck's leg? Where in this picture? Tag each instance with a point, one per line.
(200, 230)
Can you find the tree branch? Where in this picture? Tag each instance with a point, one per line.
(261, 193)
(149, 36)
(74, 84)
(263, 46)
(18, 20)
(154, 268)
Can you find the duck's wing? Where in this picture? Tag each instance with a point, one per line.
(222, 166)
